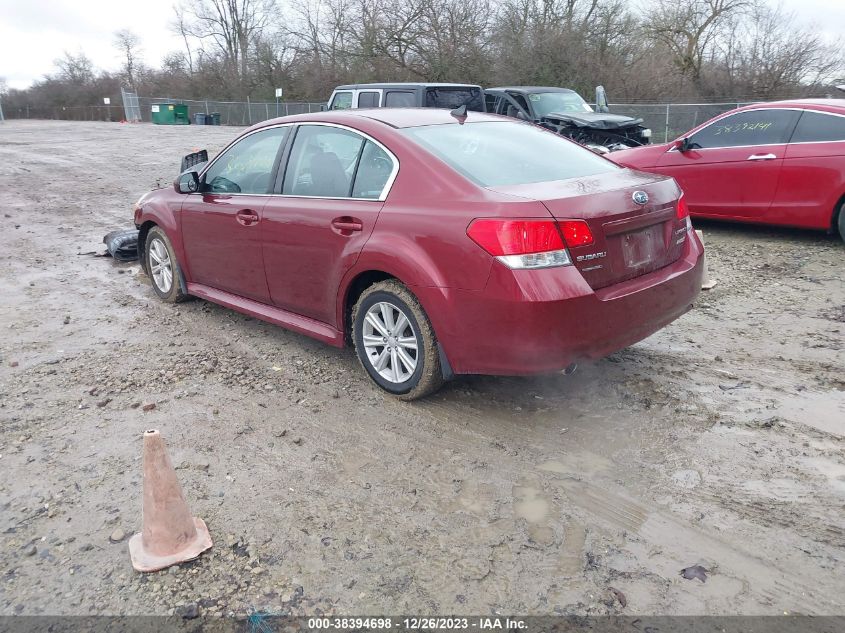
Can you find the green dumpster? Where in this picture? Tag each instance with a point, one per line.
(170, 114)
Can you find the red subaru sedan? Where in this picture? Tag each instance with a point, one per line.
(433, 243)
(771, 163)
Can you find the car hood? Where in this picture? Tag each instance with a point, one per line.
(595, 120)
(644, 157)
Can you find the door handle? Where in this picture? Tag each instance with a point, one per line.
(762, 157)
(247, 217)
(346, 225)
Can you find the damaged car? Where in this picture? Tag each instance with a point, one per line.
(434, 243)
(565, 112)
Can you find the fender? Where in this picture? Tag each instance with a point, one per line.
(377, 257)
(406, 260)
(163, 211)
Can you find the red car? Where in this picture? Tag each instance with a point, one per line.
(771, 163)
(434, 243)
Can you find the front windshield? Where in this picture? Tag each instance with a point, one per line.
(547, 102)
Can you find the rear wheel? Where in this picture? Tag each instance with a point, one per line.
(841, 221)
(162, 267)
(395, 342)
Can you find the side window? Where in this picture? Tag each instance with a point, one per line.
(815, 127)
(450, 98)
(341, 101)
(368, 99)
(399, 100)
(374, 169)
(490, 102)
(752, 127)
(520, 100)
(322, 162)
(247, 166)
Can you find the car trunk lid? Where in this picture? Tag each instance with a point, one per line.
(630, 238)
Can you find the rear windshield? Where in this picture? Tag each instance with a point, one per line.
(472, 98)
(495, 154)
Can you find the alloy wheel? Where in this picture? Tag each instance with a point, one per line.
(161, 267)
(390, 343)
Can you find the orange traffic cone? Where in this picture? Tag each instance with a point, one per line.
(169, 535)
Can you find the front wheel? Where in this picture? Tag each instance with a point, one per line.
(162, 267)
(395, 342)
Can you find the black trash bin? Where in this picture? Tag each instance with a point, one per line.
(199, 118)
(209, 120)
(216, 118)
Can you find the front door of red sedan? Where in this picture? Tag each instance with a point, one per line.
(221, 225)
(335, 182)
(731, 167)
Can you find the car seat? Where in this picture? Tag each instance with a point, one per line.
(328, 178)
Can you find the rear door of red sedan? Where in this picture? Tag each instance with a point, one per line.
(812, 180)
(732, 166)
(329, 196)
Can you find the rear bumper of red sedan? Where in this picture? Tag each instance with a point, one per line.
(541, 321)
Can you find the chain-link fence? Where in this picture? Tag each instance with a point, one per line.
(669, 120)
(666, 120)
(232, 112)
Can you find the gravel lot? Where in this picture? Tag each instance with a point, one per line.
(719, 441)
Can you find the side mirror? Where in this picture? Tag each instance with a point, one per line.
(188, 182)
(682, 145)
(521, 116)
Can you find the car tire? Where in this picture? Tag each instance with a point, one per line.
(162, 267)
(400, 355)
(841, 221)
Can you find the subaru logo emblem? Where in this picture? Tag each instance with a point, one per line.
(640, 197)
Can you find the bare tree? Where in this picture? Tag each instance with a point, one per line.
(768, 56)
(129, 46)
(75, 69)
(232, 27)
(689, 29)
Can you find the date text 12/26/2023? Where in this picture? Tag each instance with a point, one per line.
(417, 623)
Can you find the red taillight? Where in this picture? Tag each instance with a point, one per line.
(682, 210)
(576, 233)
(515, 237)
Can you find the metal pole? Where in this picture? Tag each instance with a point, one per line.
(277, 106)
(248, 111)
(666, 132)
(1, 111)
(267, 110)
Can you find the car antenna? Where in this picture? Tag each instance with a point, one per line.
(460, 112)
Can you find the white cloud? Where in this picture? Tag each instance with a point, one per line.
(34, 33)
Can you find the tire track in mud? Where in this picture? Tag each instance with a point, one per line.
(778, 586)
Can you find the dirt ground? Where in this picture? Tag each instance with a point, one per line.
(719, 441)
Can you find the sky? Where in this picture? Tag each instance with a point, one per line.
(34, 33)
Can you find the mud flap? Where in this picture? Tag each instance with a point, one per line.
(445, 367)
